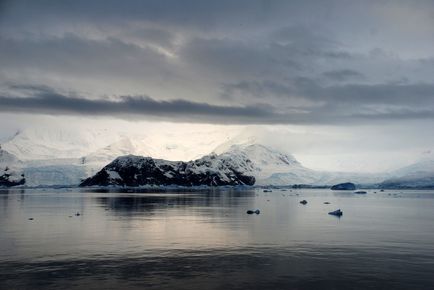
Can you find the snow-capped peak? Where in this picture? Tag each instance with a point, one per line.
(264, 155)
(266, 161)
(213, 170)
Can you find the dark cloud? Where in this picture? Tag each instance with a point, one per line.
(389, 94)
(72, 54)
(343, 75)
(44, 100)
(225, 58)
(310, 63)
(188, 14)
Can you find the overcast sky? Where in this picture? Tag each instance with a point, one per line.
(358, 70)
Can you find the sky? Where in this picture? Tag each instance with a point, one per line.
(343, 85)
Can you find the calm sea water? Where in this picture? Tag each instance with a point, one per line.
(205, 240)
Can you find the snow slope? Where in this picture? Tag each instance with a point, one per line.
(265, 160)
(99, 144)
(272, 167)
(417, 175)
(66, 156)
(54, 143)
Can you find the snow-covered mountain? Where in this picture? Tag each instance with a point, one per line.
(267, 161)
(11, 173)
(97, 144)
(410, 181)
(55, 143)
(422, 167)
(66, 156)
(417, 175)
(59, 156)
(211, 170)
(272, 167)
(41, 167)
(124, 146)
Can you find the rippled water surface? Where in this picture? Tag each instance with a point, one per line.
(205, 240)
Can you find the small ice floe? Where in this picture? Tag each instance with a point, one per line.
(252, 211)
(337, 212)
(326, 202)
(267, 190)
(77, 213)
(303, 201)
(360, 192)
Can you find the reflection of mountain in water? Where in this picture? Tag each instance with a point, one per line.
(148, 203)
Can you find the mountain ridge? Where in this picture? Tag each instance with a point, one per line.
(210, 170)
(269, 165)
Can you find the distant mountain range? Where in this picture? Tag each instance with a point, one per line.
(417, 175)
(69, 158)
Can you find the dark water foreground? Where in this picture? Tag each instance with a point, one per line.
(205, 240)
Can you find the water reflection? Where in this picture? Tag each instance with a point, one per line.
(195, 240)
(133, 203)
(220, 269)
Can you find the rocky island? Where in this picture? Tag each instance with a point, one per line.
(210, 170)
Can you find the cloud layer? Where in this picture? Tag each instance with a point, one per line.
(286, 62)
(45, 100)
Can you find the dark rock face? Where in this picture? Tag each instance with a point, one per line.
(10, 175)
(344, 186)
(7, 181)
(211, 170)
